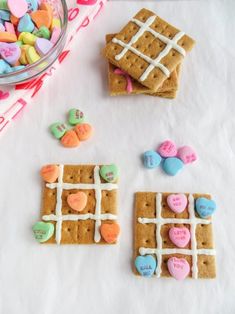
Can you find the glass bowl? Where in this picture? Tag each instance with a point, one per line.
(36, 69)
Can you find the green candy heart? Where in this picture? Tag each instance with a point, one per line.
(58, 129)
(43, 32)
(19, 43)
(3, 5)
(109, 173)
(43, 231)
(76, 116)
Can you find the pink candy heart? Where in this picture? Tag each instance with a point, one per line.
(17, 7)
(43, 46)
(179, 236)
(177, 202)
(10, 52)
(167, 149)
(178, 267)
(4, 95)
(187, 154)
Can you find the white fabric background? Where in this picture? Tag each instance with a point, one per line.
(98, 279)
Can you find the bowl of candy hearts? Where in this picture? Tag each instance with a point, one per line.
(32, 36)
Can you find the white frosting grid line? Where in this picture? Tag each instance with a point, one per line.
(158, 234)
(159, 221)
(153, 63)
(98, 217)
(193, 236)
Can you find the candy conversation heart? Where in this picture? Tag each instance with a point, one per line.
(177, 202)
(167, 149)
(18, 8)
(84, 131)
(58, 129)
(43, 231)
(76, 116)
(110, 232)
(25, 24)
(179, 236)
(109, 173)
(178, 267)
(70, 139)
(50, 173)
(146, 265)
(43, 46)
(172, 166)
(187, 154)
(205, 207)
(77, 201)
(151, 159)
(10, 52)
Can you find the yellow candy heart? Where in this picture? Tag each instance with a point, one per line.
(32, 55)
(28, 38)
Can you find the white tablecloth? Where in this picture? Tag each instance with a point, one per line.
(98, 279)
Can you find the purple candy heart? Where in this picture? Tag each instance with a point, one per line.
(43, 46)
(10, 52)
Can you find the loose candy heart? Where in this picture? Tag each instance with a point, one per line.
(110, 232)
(84, 131)
(58, 129)
(76, 116)
(41, 18)
(187, 154)
(32, 5)
(178, 267)
(70, 139)
(43, 46)
(10, 52)
(179, 236)
(77, 201)
(167, 149)
(17, 7)
(151, 159)
(50, 173)
(205, 207)
(172, 166)
(146, 265)
(43, 231)
(177, 202)
(43, 32)
(32, 55)
(25, 24)
(109, 173)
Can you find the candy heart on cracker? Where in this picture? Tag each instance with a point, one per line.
(177, 202)
(205, 207)
(109, 173)
(50, 173)
(167, 149)
(187, 154)
(179, 236)
(110, 232)
(77, 201)
(70, 139)
(146, 265)
(178, 267)
(84, 131)
(43, 231)
(10, 52)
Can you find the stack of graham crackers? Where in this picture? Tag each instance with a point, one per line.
(146, 56)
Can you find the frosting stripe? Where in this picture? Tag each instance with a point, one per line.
(58, 209)
(144, 251)
(98, 197)
(193, 236)
(173, 220)
(158, 234)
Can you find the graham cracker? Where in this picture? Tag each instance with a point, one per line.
(145, 234)
(118, 83)
(152, 43)
(79, 231)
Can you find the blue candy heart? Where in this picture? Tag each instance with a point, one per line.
(204, 207)
(172, 165)
(4, 15)
(25, 24)
(32, 5)
(152, 159)
(146, 265)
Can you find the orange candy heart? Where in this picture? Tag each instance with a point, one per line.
(77, 201)
(84, 131)
(110, 232)
(70, 139)
(50, 173)
(7, 37)
(41, 18)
